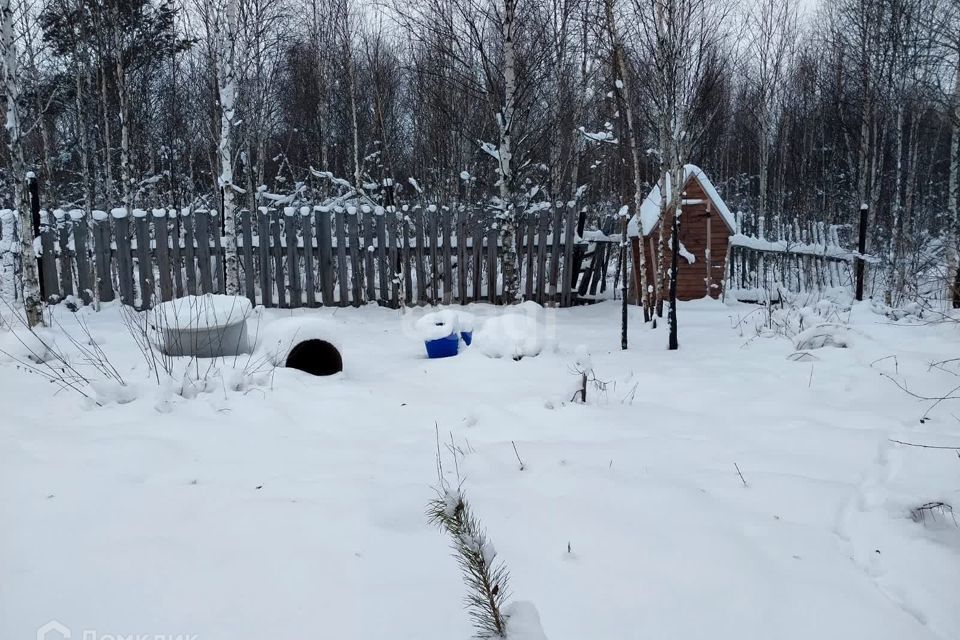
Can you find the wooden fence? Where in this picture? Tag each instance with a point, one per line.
(312, 256)
(760, 270)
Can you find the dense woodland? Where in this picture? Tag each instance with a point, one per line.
(796, 112)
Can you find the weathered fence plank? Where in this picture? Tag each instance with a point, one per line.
(124, 259)
(290, 219)
(162, 252)
(531, 229)
(275, 233)
(368, 249)
(174, 216)
(82, 253)
(144, 263)
(219, 273)
(341, 223)
(492, 235)
(263, 250)
(418, 256)
(434, 254)
(104, 256)
(382, 265)
(447, 263)
(566, 293)
(555, 256)
(201, 229)
(309, 270)
(543, 223)
(478, 235)
(405, 258)
(394, 272)
(462, 266)
(48, 258)
(66, 264)
(249, 270)
(325, 253)
(356, 265)
(189, 251)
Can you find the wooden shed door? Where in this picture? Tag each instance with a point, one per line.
(691, 279)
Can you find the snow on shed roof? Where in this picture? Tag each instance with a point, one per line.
(649, 213)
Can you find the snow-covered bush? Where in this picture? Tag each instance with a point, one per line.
(795, 313)
(72, 361)
(511, 335)
(824, 335)
(583, 368)
(20, 344)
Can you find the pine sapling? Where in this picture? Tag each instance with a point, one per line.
(486, 577)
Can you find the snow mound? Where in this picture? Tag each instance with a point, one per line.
(825, 335)
(523, 622)
(112, 391)
(582, 358)
(25, 346)
(511, 335)
(280, 337)
(202, 312)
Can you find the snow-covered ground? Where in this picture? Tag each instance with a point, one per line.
(294, 508)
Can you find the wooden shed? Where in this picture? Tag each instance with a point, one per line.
(706, 225)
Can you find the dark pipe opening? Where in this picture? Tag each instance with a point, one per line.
(316, 357)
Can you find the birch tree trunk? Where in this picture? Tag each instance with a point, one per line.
(764, 162)
(107, 141)
(346, 42)
(29, 31)
(32, 304)
(227, 92)
(626, 93)
(505, 120)
(124, 102)
(667, 151)
(323, 81)
(83, 129)
(953, 234)
(896, 213)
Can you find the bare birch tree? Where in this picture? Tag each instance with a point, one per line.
(506, 118)
(772, 36)
(624, 85)
(482, 41)
(32, 304)
(946, 26)
(227, 93)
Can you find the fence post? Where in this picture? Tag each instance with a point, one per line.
(34, 188)
(862, 248)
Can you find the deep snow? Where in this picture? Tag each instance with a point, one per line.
(294, 506)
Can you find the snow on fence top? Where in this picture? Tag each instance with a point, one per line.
(798, 248)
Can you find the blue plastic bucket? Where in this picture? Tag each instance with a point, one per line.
(467, 337)
(443, 347)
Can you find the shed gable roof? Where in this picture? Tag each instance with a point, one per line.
(649, 213)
